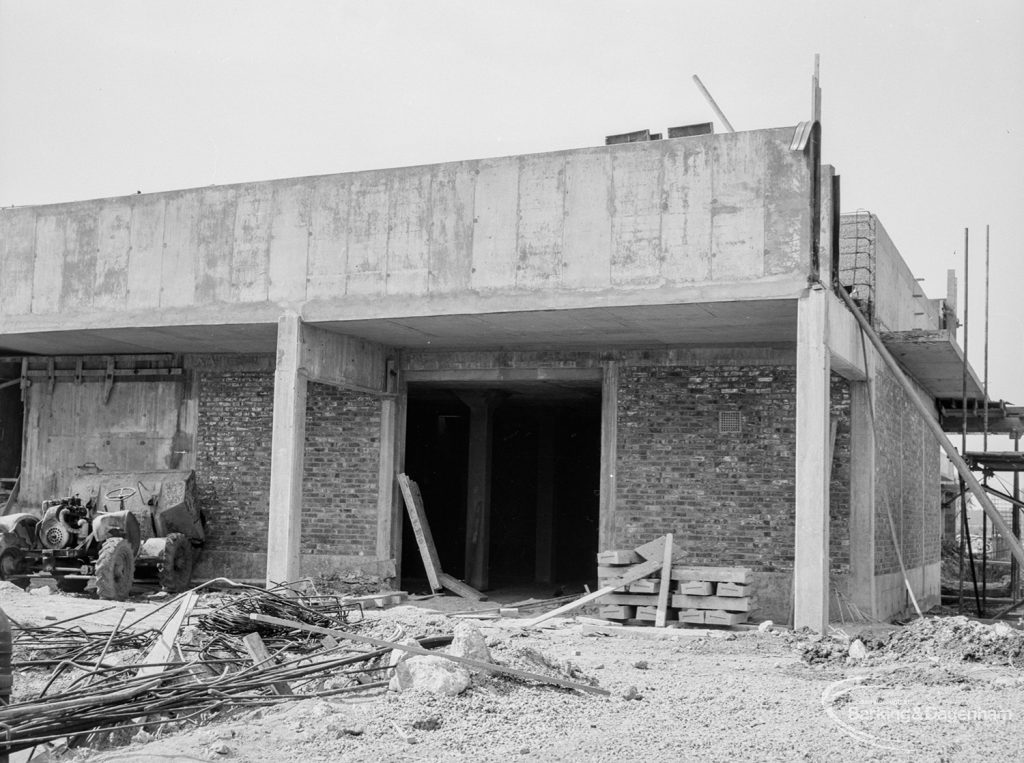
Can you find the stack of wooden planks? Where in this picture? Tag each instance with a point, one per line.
(711, 595)
(700, 595)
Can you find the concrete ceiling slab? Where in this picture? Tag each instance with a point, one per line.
(740, 322)
(936, 361)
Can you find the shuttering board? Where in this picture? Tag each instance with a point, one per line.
(738, 604)
(713, 574)
(420, 528)
(632, 599)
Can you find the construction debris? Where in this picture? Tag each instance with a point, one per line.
(221, 652)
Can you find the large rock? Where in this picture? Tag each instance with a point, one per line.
(431, 674)
(469, 642)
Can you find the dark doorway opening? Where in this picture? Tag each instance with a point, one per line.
(12, 417)
(544, 483)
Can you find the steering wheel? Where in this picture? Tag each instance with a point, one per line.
(121, 493)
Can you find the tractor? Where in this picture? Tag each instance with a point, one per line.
(111, 527)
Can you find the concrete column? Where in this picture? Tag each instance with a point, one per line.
(390, 504)
(862, 499)
(609, 454)
(811, 557)
(288, 444)
(545, 525)
(478, 491)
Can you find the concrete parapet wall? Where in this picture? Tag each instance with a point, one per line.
(670, 214)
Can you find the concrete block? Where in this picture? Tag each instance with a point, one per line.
(618, 612)
(732, 589)
(718, 617)
(693, 616)
(713, 574)
(695, 587)
(645, 585)
(621, 556)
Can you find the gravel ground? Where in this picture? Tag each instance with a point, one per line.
(919, 694)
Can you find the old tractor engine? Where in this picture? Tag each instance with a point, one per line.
(111, 527)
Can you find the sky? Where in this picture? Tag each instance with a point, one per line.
(923, 102)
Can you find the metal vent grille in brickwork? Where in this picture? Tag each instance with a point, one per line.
(730, 422)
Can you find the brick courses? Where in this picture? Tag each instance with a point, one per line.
(233, 464)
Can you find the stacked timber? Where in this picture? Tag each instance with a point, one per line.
(637, 601)
(700, 595)
(711, 595)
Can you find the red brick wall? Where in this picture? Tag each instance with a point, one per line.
(233, 464)
(728, 497)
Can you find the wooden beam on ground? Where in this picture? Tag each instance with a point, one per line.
(261, 658)
(459, 588)
(421, 529)
(160, 653)
(666, 583)
(635, 573)
(488, 667)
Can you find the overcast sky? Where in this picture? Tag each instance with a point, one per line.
(923, 102)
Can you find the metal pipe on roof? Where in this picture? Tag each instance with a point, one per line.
(711, 102)
(964, 540)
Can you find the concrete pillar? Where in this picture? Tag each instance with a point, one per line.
(609, 454)
(811, 553)
(862, 499)
(545, 517)
(390, 504)
(478, 490)
(288, 443)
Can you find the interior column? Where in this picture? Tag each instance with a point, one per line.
(288, 442)
(811, 553)
(545, 525)
(478, 490)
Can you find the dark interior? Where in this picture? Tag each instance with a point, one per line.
(545, 445)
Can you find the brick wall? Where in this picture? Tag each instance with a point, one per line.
(906, 482)
(233, 465)
(233, 457)
(729, 497)
(339, 501)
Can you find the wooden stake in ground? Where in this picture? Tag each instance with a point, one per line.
(661, 617)
(420, 528)
(261, 658)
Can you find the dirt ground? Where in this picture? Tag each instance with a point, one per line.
(940, 689)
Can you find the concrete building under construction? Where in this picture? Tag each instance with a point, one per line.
(568, 351)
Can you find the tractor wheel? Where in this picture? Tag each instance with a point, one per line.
(115, 569)
(175, 565)
(10, 559)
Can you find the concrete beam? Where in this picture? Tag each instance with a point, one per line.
(343, 361)
(288, 442)
(811, 557)
(845, 345)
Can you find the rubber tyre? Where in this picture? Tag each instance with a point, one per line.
(115, 569)
(10, 560)
(175, 565)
